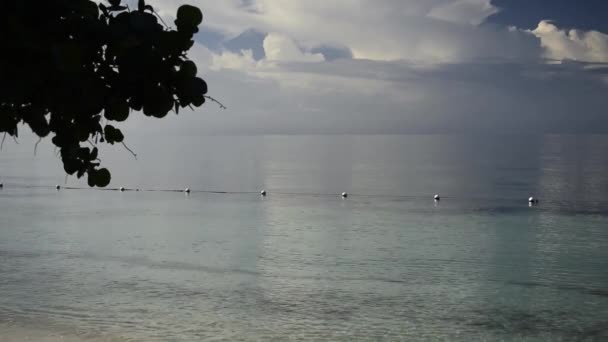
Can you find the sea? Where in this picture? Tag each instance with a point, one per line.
(386, 263)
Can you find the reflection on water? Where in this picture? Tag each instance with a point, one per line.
(385, 264)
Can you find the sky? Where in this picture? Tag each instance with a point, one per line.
(399, 66)
(478, 67)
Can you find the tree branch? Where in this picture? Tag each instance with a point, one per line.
(216, 101)
(161, 19)
(36, 146)
(128, 149)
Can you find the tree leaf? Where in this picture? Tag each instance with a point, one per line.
(117, 110)
(66, 69)
(189, 15)
(113, 135)
(117, 8)
(94, 153)
(102, 178)
(188, 69)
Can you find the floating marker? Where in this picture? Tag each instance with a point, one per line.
(437, 197)
(344, 195)
(121, 189)
(1, 185)
(263, 192)
(187, 190)
(58, 187)
(532, 200)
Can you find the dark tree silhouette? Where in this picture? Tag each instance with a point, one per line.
(70, 67)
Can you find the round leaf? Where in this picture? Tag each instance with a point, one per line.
(188, 69)
(189, 16)
(102, 178)
(113, 135)
(198, 100)
(117, 111)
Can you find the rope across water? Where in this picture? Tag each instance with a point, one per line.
(263, 193)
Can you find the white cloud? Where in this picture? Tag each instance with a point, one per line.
(472, 12)
(420, 30)
(590, 46)
(279, 47)
(363, 96)
(419, 66)
(231, 60)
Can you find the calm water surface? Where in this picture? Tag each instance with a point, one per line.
(303, 264)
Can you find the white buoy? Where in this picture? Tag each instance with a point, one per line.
(532, 200)
(121, 189)
(58, 187)
(344, 195)
(187, 190)
(437, 197)
(263, 192)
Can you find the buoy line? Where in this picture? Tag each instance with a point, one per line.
(533, 201)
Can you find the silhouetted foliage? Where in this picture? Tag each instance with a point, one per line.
(68, 67)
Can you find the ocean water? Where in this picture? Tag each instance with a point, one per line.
(386, 264)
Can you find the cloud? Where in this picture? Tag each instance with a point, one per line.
(472, 12)
(230, 60)
(589, 46)
(394, 66)
(364, 96)
(442, 31)
(278, 47)
(248, 40)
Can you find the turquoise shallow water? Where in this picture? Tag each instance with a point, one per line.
(303, 264)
